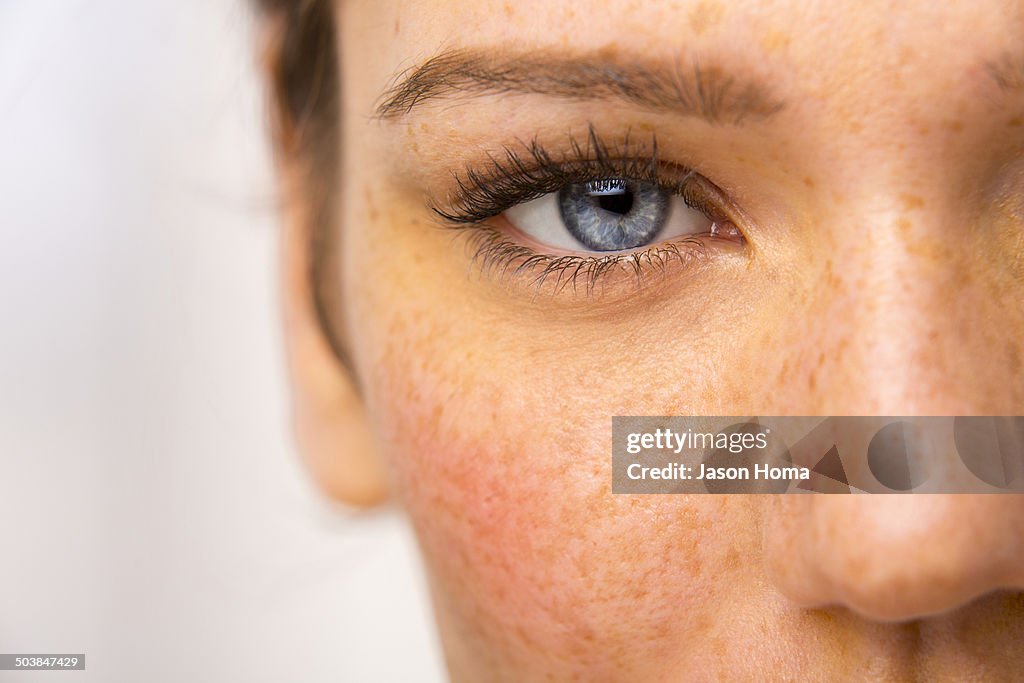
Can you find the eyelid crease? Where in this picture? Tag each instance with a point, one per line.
(519, 175)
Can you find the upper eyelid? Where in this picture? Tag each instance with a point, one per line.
(468, 205)
(529, 171)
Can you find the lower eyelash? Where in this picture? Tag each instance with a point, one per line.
(495, 254)
(482, 193)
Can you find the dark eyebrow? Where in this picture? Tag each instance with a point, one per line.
(690, 89)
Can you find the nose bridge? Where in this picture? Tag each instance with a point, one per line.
(910, 324)
(903, 316)
(903, 310)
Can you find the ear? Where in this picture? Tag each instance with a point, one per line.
(329, 418)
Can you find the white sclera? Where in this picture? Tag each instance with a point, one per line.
(541, 220)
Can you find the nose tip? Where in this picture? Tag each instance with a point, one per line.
(897, 557)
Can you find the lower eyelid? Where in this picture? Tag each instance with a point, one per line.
(506, 257)
(491, 201)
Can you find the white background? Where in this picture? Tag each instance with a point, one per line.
(153, 513)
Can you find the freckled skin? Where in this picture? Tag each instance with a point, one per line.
(881, 276)
(705, 16)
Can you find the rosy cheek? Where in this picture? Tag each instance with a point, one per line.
(510, 498)
(499, 448)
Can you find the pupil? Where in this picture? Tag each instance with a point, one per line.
(613, 214)
(620, 202)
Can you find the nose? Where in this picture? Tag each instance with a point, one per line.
(894, 557)
(917, 325)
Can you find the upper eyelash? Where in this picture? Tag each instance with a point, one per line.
(522, 174)
(518, 176)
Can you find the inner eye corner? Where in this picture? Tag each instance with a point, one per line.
(635, 215)
(704, 195)
(728, 229)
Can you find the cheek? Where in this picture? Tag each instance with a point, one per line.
(507, 480)
(496, 426)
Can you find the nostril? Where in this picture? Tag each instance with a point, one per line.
(894, 558)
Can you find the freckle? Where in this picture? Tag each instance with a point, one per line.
(371, 208)
(903, 225)
(704, 16)
(609, 52)
(434, 421)
(928, 248)
(1015, 121)
(955, 126)
(911, 201)
(509, 10)
(775, 41)
(922, 129)
(1012, 357)
(830, 278)
(398, 25)
(856, 126)
(821, 359)
(838, 198)
(812, 381)
(808, 182)
(784, 371)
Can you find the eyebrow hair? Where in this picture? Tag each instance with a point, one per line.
(706, 91)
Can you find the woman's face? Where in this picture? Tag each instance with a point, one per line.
(582, 209)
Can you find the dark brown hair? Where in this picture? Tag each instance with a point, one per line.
(303, 64)
(303, 69)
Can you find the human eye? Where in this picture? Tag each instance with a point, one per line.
(593, 212)
(608, 215)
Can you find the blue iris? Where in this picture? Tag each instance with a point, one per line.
(614, 214)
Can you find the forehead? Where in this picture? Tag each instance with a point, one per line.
(810, 50)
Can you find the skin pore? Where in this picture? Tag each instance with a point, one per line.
(870, 158)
